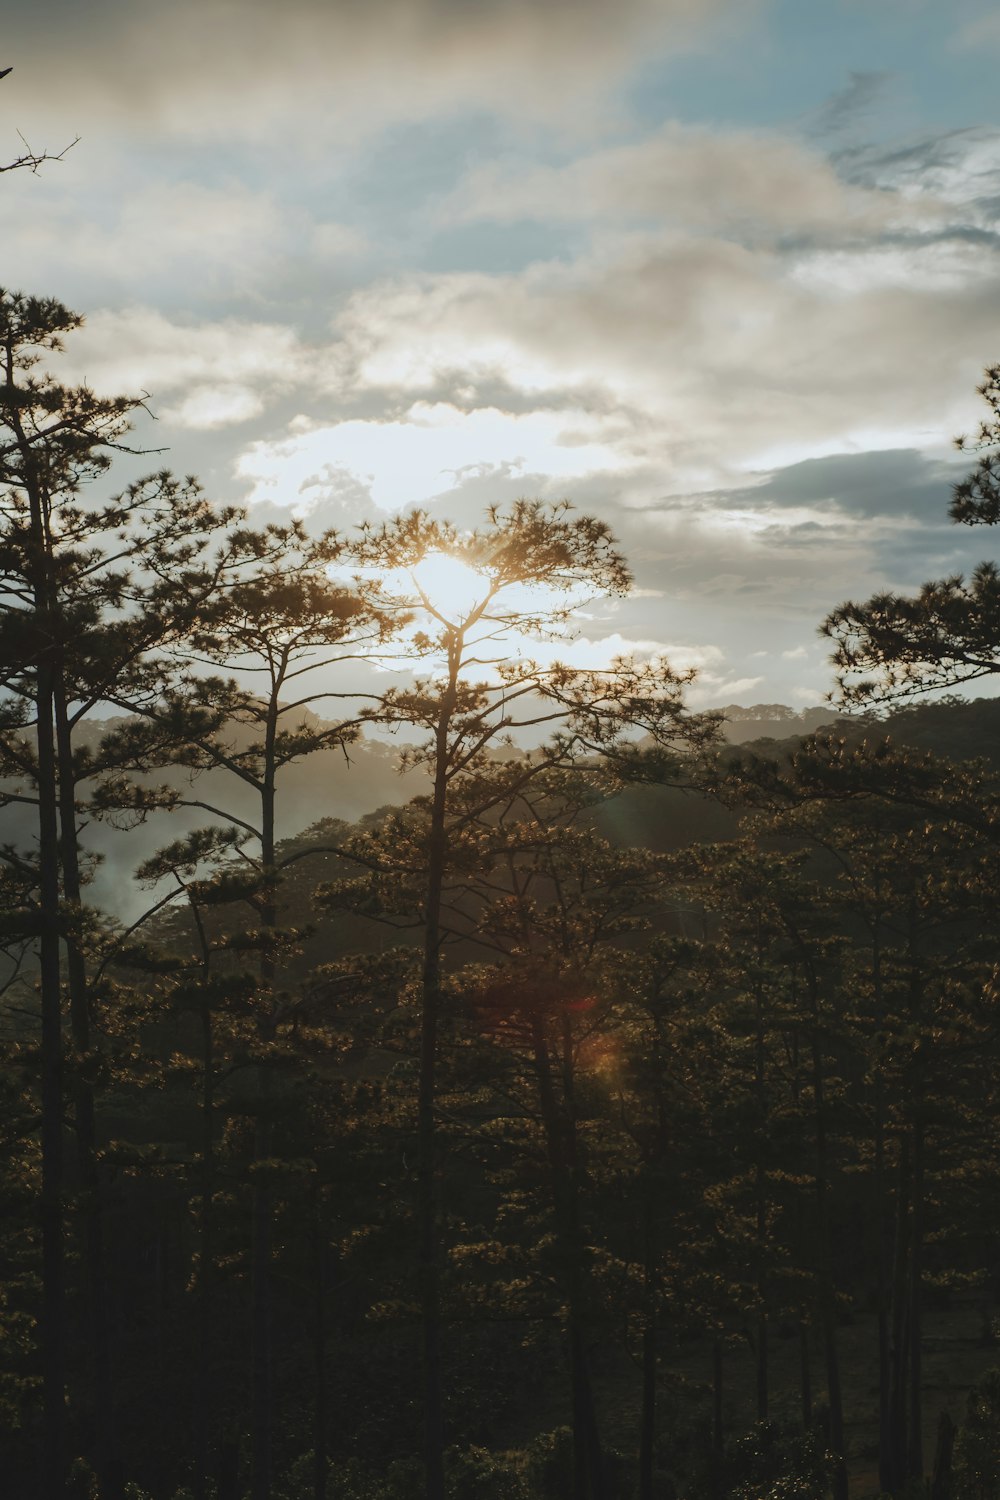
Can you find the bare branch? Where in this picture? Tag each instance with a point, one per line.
(34, 159)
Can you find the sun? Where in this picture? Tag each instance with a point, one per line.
(450, 585)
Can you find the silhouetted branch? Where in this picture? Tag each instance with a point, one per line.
(34, 159)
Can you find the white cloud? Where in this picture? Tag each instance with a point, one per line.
(232, 362)
(692, 177)
(142, 236)
(712, 684)
(595, 653)
(707, 691)
(949, 266)
(712, 357)
(425, 453)
(208, 407)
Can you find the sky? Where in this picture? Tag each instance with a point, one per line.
(722, 272)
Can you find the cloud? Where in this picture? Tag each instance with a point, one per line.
(684, 361)
(922, 265)
(185, 228)
(309, 71)
(956, 167)
(594, 653)
(175, 242)
(208, 407)
(851, 106)
(685, 176)
(231, 365)
(714, 356)
(896, 482)
(713, 682)
(429, 450)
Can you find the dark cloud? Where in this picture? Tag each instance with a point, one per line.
(853, 105)
(878, 520)
(925, 159)
(898, 482)
(246, 68)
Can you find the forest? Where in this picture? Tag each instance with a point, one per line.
(592, 1108)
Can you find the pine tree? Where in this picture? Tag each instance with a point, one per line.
(896, 645)
(532, 565)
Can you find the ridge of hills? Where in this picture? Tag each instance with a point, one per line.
(329, 784)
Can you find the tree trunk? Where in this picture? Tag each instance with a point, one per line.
(319, 1351)
(51, 1213)
(824, 1256)
(261, 1395)
(941, 1481)
(204, 1415)
(98, 1327)
(887, 1466)
(51, 1205)
(760, 1193)
(718, 1432)
(647, 1427)
(260, 1301)
(900, 1323)
(886, 1442)
(428, 1250)
(573, 1239)
(261, 1227)
(560, 1141)
(805, 1376)
(915, 1447)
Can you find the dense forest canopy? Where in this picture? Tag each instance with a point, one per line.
(583, 1097)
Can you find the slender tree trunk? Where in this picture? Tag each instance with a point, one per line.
(647, 1428)
(51, 1206)
(914, 1451)
(573, 1238)
(761, 1340)
(428, 1248)
(886, 1445)
(560, 1140)
(98, 1327)
(260, 1298)
(900, 1322)
(652, 1207)
(718, 1430)
(204, 1415)
(801, 1221)
(319, 1351)
(840, 1485)
(261, 1396)
(805, 1375)
(915, 1447)
(888, 1467)
(941, 1480)
(827, 1290)
(760, 1194)
(51, 1212)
